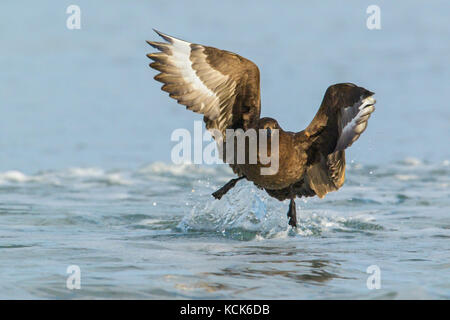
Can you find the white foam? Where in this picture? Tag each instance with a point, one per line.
(114, 179)
(87, 175)
(410, 161)
(177, 170)
(85, 172)
(406, 177)
(13, 176)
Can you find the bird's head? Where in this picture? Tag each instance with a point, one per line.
(268, 124)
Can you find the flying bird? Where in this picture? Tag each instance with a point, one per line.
(224, 87)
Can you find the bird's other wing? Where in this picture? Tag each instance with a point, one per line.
(341, 119)
(221, 85)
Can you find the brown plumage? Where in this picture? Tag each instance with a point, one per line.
(224, 87)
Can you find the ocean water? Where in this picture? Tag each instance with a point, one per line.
(156, 232)
(86, 177)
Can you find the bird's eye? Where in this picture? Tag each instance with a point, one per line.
(269, 131)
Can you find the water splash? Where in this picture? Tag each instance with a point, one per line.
(246, 213)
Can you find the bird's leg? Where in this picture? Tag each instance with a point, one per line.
(230, 184)
(292, 213)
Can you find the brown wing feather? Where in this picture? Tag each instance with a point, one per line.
(326, 175)
(221, 85)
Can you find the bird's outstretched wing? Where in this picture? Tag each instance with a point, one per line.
(221, 85)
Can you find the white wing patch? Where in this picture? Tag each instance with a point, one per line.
(181, 52)
(199, 95)
(353, 122)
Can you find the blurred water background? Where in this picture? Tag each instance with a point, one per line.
(86, 177)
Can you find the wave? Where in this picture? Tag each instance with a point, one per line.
(86, 175)
(406, 169)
